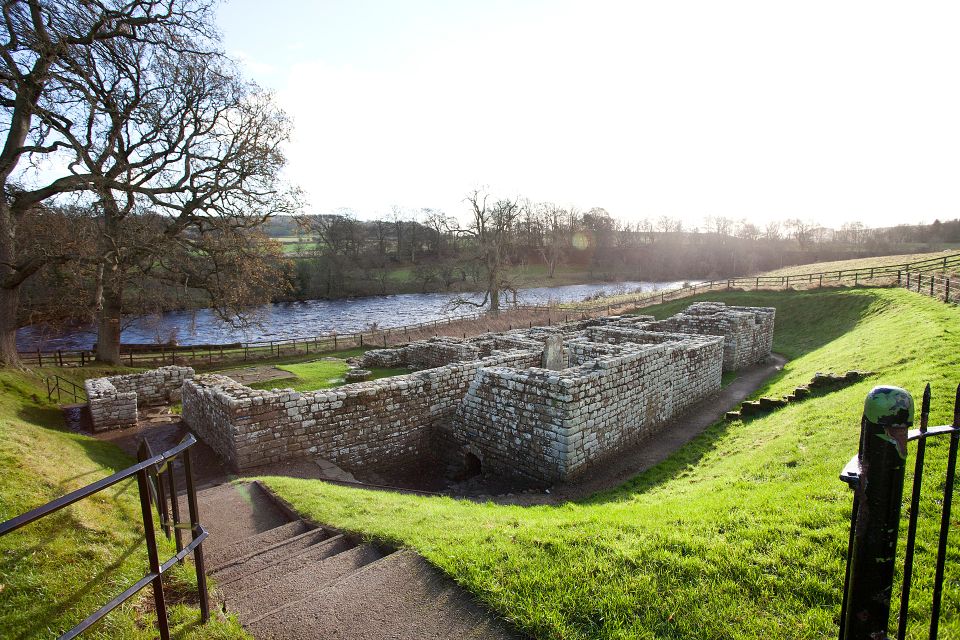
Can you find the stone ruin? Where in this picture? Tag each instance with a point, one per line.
(114, 401)
(541, 404)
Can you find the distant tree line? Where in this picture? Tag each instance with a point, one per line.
(339, 255)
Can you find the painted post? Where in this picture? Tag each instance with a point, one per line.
(887, 417)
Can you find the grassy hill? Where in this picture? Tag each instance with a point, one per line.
(741, 534)
(55, 572)
(858, 263)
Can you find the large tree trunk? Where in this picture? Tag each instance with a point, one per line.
(9, 304)
(108, 318)
(109, 304)
(10, 294)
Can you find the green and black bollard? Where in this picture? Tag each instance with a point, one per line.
(887, 417)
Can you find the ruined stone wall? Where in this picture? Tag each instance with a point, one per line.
(747, 331)
(113, 401)
(550, 425)
(380, 423)
(109, 408)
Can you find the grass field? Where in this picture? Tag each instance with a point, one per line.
(859, 263)
(320, 374)
(740, 534)
(55, 572)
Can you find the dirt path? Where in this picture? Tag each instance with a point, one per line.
(618, 469)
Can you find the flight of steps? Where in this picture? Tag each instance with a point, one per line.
(287, 579)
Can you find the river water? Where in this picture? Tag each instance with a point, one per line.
(305, 319)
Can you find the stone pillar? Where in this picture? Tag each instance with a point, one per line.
(553, 353)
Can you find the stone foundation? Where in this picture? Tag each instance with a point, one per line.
(520, 409)
(113, 401)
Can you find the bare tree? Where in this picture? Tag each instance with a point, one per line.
(491, 227)
(39, 48)
(172, 137)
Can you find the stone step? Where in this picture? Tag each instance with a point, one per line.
(256, 561)
(308, 556)
(253, 544)
(260, 600)
(397, 596)
(233, 512)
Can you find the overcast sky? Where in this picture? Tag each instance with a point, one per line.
(831, 111)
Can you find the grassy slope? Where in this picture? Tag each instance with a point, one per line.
(56, 571)
(741, 534)
(858, 263)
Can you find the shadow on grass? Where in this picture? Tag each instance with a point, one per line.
(833, 312)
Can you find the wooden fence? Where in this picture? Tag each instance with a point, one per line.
(515, 316)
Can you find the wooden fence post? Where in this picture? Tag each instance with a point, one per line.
(947, 293)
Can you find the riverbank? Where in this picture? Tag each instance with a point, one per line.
(309, 319)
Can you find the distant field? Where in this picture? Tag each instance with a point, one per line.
(858, 263)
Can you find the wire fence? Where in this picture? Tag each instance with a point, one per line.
(906, 275)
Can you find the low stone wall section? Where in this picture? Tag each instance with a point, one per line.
(747, 331)
(114, 400)
(374, 424)
(551, 425)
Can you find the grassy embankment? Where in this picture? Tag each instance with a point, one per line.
(858, 263)
(740, 534)
(56, 571)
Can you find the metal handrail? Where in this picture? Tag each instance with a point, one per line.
(142, 471)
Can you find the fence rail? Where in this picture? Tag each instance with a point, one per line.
(150, 472)
(143, 355)
(940, 286)
(61, 387)
(876, 475)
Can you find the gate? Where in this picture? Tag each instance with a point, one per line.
(876, 475)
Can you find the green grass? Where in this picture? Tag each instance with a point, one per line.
(320, 374)
(857, 263)
(56, 571)
(740, 534)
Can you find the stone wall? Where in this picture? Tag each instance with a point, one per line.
(747, 331)
(113, 401)
(109, 408)
(608, 382)
(375, 424)
(551, 425)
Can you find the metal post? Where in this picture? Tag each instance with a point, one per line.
(887, 417)
(194, 528)
(151, 537)
(174, 507)
(945, 520)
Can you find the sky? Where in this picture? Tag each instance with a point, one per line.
(831, 111)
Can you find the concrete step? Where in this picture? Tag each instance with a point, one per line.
(397, 596)
(232, 512)
(262, 600)
(251, 563)
(253, 544)
(287, 563)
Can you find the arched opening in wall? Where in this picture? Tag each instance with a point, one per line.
(471, 466)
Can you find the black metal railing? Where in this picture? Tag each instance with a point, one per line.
(150, 472)
(876, 475)
(61, 387)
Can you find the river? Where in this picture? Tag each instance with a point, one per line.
(304, 319)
